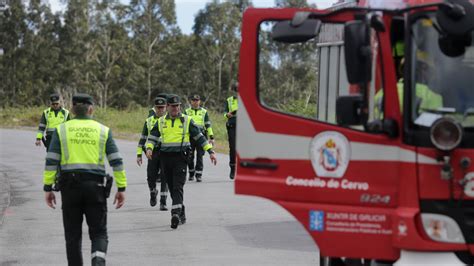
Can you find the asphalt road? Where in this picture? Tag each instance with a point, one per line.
(222, 228)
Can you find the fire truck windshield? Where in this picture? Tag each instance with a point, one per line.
(441, 85)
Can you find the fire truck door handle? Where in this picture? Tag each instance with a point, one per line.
(259, 165)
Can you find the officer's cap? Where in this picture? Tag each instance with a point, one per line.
(54, 98)
(195, 97)
(160, 101)
(174, 99)
(163, 95)
(82, 98)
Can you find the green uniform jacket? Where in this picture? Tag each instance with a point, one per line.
(192, 131)
(50, 126)
(204, 122)
(231, 105)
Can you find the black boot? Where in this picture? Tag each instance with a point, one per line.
(163, 207)
(182, 216)
(153, 194)
(198, 178)
(174, 221)
(232, 172)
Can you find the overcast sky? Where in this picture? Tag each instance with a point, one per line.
(187, 9)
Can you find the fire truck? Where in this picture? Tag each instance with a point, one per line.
(359, 121)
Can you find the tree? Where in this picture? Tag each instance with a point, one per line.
(151, 22)
(217, 28)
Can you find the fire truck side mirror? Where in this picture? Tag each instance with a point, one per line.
(350, 110)
(456, 22)
(357, 52)
(296, 31)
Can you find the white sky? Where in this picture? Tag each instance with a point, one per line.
(187, 9)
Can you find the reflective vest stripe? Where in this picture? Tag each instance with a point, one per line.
(174, 144)
(113, 156)
(198, 136)
(63, 138)
(83, 166)
(53, 156)
(185, 126)
(101, 144)
(51, 167)
(117, 168)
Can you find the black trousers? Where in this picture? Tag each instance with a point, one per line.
(231, 138)
(174, 166)
(84, 195)
(153, 171)
(198, 152)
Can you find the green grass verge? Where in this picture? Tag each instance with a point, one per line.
(125, 124)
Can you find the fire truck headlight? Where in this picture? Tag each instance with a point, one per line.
(442, 228)
(446, 133)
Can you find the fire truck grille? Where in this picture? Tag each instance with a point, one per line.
(462, 211)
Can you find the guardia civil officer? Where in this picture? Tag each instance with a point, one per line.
(163, 95)
(175, 130)
(50, 118)
(153, 167)
(230, 113)
(79, 147)
(200, 117)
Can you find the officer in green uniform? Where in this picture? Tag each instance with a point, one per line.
(151, 112)
(79, 147)
(153, 167)
(174, 131)
(50, 118)
(230, 113)
(200, 117)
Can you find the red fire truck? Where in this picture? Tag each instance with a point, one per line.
(359, 121)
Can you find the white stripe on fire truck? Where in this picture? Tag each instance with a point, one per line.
(291, 147)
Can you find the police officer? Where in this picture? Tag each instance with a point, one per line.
(151, 112)
(51, 117)
(230, 113)
(200, 117)
(80, 147)
(153, 167)
(175, 130)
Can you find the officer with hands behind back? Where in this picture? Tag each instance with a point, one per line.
(174, 130)
(79, 147)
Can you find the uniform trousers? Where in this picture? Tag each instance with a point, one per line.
(174, 165)
(154, 173)
(84, 195)
(198, 152)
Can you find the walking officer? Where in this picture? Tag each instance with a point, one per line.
(153, 167)
(80, 147)
(201, 119)
(151, 112)
(174, 131)
(51, 117)
(230, 113)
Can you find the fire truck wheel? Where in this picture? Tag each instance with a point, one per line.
(332, 261)
(328, 261)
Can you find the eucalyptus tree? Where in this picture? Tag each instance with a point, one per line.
(151, 21)
(217, 28)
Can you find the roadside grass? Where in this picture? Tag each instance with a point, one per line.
(125, 124)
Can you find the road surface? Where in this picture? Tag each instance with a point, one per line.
(222, 228)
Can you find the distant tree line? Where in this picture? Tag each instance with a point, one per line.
(122, 54)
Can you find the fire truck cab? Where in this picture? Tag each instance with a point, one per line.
(359, 121)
